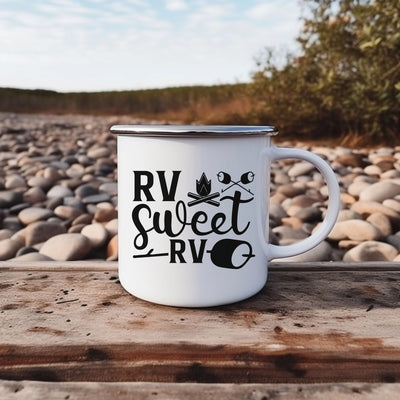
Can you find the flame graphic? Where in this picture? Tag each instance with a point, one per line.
(203, 185)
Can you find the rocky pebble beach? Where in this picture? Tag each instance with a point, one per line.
(58, 194)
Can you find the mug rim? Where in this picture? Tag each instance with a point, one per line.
(173, 130)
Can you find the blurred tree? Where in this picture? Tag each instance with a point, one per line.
(347, 77)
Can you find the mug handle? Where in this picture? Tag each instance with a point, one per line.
(274, 153)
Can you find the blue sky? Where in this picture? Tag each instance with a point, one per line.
(89, 45)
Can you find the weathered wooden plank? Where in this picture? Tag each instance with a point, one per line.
(101, 265)
(165, 391)
(304, 326)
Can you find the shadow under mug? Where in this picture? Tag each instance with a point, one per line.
(193, 211)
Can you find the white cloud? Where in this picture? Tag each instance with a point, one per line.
(264, 10)
(176, 5)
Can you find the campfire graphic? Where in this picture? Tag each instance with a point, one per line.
(203, 189)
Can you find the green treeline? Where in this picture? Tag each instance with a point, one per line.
(343, 83)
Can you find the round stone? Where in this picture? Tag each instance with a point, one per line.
(25, 250)
(348, 214)
(9, 198)
(67, 247)
(291, 190)
(41, 231)
(40, 181)
(67, 212)
(110, 188)
(112, 227)
(356, 188)
(9, 248)
(288, 235)
(85, 191)
(105, 214)
(96, 233)
(98, 152)
(393, 204)
(75, 171)
(52, 174)
(34, 195)
(309, 214)
(276, 211)
(354, 229)
(352, 160)
(59, 191)
(96, 198)
(370, 207)
(394, 240)
(371, 251)
(372, 170)
(380, 191)
(15, 181)
(382, 222)
(85, 219)
(300, 168)
(112, 249)
(33, 214)
(5, 234)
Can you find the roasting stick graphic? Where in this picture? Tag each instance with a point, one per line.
(246, 178)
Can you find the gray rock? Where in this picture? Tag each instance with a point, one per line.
(394, 240)
(15, 181)
(41, 231)
(25, 250)
(59, 191)
(5, 234)
(9, 248)
(309, 214)
(277, 211)
(109, 188)
(12, 223)
(67, 247)
(96, 198)
(85, 191)
(9, 198)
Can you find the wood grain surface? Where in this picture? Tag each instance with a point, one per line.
(310, 324)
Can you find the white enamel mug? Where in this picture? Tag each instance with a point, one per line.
(193, 211)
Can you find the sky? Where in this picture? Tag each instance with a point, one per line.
(96, 45)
